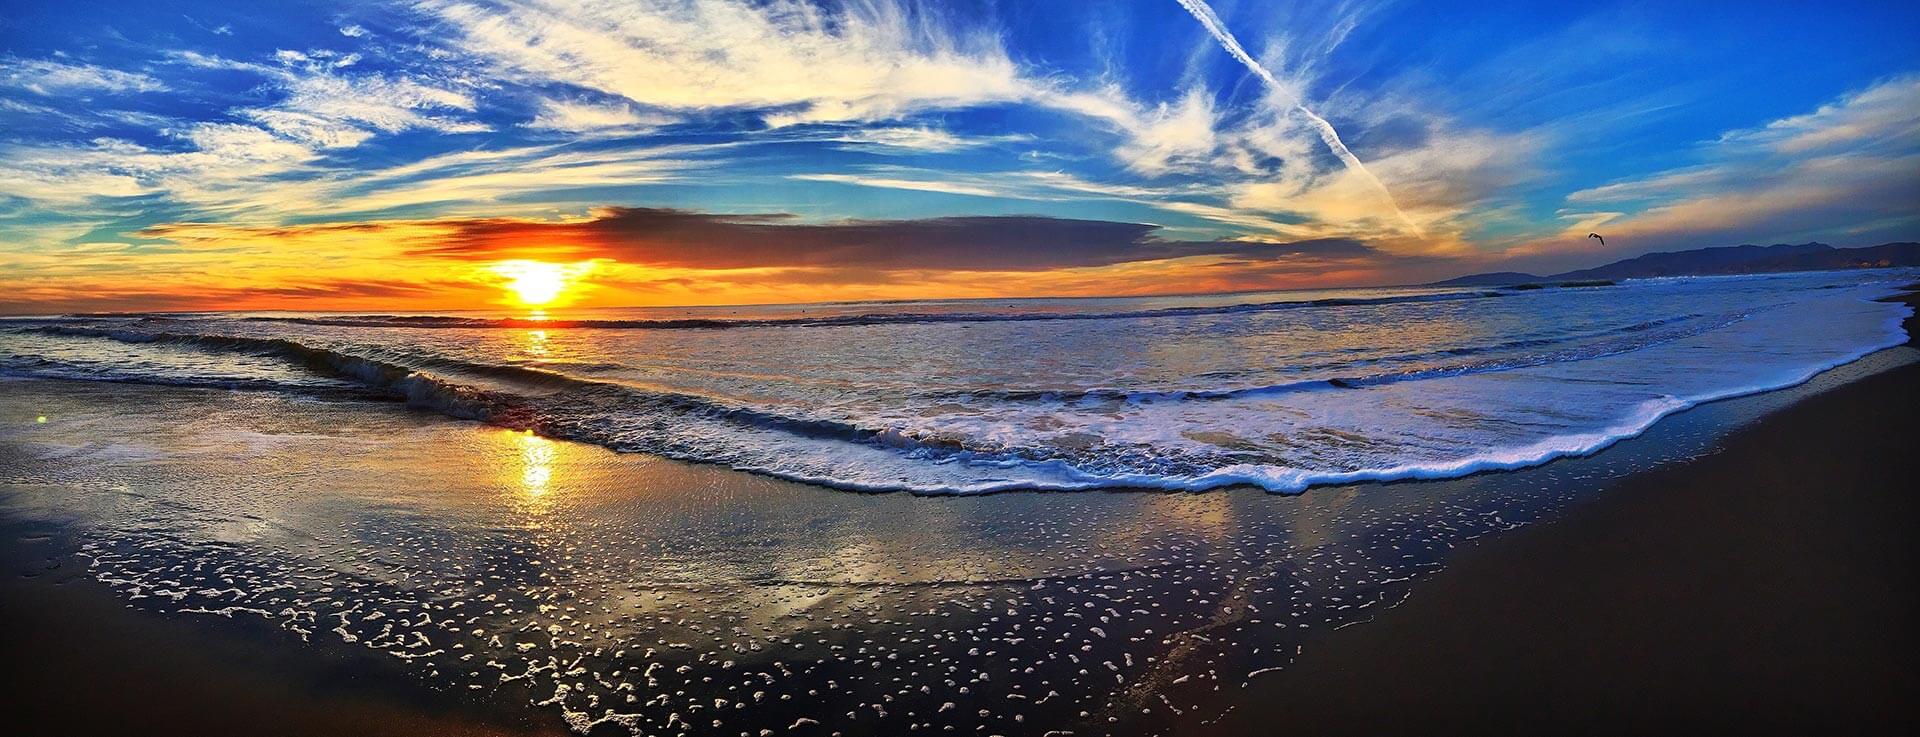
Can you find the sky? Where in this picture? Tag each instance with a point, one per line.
(425, 154)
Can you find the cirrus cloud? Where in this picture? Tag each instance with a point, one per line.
(1851, 167)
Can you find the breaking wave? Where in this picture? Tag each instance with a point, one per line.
(1412, 410)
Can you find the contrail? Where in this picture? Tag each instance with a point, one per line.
(1203, 13)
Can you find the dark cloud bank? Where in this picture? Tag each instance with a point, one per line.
(680, 238)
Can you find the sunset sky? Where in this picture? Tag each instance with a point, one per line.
(420, 155)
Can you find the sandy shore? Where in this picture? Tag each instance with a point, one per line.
(79, 661)
(1765, 587)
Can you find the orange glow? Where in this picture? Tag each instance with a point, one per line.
(392, 266)
(538, 282)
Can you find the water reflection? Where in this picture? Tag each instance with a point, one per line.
(536, 456)
(537, 343)
(530, 473)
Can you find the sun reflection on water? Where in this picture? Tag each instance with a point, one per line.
(536, 457)
(530, 478)
(537, 343)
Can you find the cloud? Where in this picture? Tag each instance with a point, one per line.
(574, 116)
(683, 239)
(218, 159)
(1884, 116)
(276, 161)
(1325, 130)
(1192, 199)
(389, 105)
(1445, 180)
(653, 256)
(939, 186)
(241, 171)
(1040, 186)
(48, 77)
(124, 297)
(1841, 171)
(309, 129)
(472, 128)
(1277, 167)
(485, 178)
(793, 61)
(921, 139)
(322, 106)
(206, 265)
(787, 63)
(1157, 139)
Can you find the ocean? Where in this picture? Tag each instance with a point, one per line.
(1280, 390)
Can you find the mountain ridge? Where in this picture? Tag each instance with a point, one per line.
(1717, 261)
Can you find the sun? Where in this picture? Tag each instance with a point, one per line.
(536, 283)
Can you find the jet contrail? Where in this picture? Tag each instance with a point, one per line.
(1203, 13)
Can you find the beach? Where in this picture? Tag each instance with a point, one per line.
(1765, 589)
(200, 561)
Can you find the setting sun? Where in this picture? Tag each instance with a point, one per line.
(539, 282)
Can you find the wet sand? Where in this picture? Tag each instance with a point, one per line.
(1766, 587)
(70, 641)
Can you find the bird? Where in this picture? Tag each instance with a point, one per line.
(1596, 236)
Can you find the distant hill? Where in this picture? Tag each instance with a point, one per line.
(1719, 261)
(1490, 279)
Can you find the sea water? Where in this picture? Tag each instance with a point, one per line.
(1276, 390)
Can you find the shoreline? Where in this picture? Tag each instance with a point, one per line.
(1767, 588)
(214, 676)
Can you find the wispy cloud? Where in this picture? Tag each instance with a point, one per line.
(1156, 139)
(1884, 117)
(940, 186)
(1052, 186)
(218, 159)
(1204, 13)
(1853, 161)
(244, 172)
(53, 77)
(577, 116)
(921, 138)
(793, 61)
(322, 105)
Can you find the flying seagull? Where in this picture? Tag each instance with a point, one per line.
(1596, 236)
